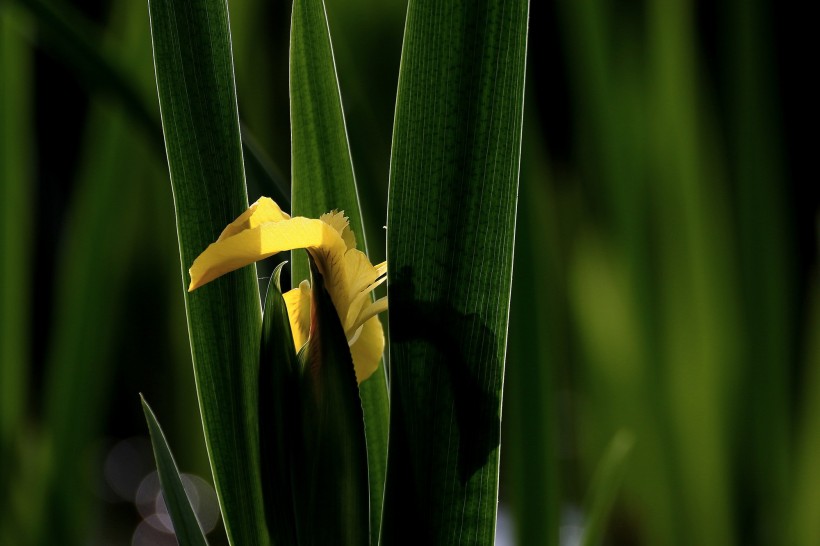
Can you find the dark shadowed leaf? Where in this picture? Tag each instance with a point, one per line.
(279, 415)
(332, 498)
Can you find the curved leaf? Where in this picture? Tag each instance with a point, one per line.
(186, 525)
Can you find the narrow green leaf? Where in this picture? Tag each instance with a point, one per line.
(323, 180)
(278, 414)
(451, 224)
(192, 52)
(16, 179)
(536, 351)
(16, 173)
(332, 500)
(805, 524)
(605, 485)
(322, 172)
(186, 524)
(766, 248)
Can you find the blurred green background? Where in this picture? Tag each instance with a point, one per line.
(663, 372)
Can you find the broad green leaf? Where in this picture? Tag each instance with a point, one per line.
(323, 180)
(186, 525)
(279, 402)
(605, 485)
(332, 489)
(192, 53)
(451, 224)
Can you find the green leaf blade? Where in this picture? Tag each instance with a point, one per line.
(186, 525)
(333, 489)
(278, 415)
(16, 221)
(323, 179)
(605, 486)
(16, 171)
(192, 52)
(451, 221)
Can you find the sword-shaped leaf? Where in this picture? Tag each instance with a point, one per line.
(186, 524)
(278, 415)
(323, 180)
(451, 222)
(332, 500)
(194, 68)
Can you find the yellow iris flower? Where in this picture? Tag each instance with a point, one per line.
(264, 230)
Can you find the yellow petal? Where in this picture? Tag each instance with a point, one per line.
(298, 303)
(368, 311)
(264, 210)
(367, 349)
(263, 241)
(340, 223)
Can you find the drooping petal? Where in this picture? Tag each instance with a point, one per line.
(298, 303)
(368, 311)
(263, 241)
(367, 349)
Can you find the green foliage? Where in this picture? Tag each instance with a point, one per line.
(279, 372)
(312, 429)
(17, 177)
(333, 491)
(194, 70)
(186, 525)
(323, 180)
(605, 485)
(530, 463)
(658, 285)
(451, 219)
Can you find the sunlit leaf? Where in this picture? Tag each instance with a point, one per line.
(192, 53)
(451, 221)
